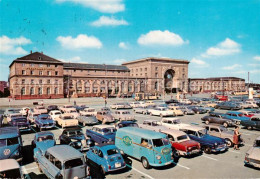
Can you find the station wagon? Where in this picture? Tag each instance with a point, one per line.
(46, 138)
(151, 148)
(123, 115)
(252, 157)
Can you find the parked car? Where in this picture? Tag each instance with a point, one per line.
(54, 164)
(218, 119)
(126, 124)
(10, 116)
(80, 107)
(45, 138)
(150, 103)
(23, 111)
(10, 168)
(72, 112)
(9, 111)
(55, 114)
(143, 145)
(152, 125)
(171, 101)
(198, 109)
(211, 104)
(66, 120)
(52, 108)
(142, 110)
(21, 122)
(185, 101)
(87, 120)
(228, 105)
(173, 123)
(88, 112)
(253, 104)
(44, 121)
(252, 157)
(101, 133)
(66, 107)
(248, 113)
(236, 115)
(186, 110)
(105, 116)
(32, 117)
(40, 110)
(123, 115)
(135, 104)
(161, 111)
(176, 110)
(11, 143)
(75, 138)
(207, 142)
(219, 131)
(120, 106)
(108, 157)
(244, 105)
(182, 145)
(105, 109)
(252, 123)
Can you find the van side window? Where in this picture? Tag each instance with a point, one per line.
(100, 153)
(58, 164)
(47, 155)
(12, 141)
(207, 127)
(171, 138)
(214, 129)
(144, 142)
(52, 159)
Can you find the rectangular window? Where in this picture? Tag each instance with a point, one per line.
(23, 72)
(56, 73)
(32, 65)
(145, 69)
(48, 65)
(23, 81)
(40, 81)
(156, 68)
(48, 81)
(32, 81)
(40, 65)
(48, 73)
(56, 81)
(56, 65)
(32, 72)
(23, 64)
(156, 75)
(40, 73)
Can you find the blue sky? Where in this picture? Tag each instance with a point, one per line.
(218, 37)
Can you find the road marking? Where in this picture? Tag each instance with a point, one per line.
(31, 168)
(209, 157)
(140, 172)
(248, 145)
(181, 165)
(245, 133)
(234, 151)
(25, 172)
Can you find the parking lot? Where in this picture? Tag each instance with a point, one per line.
(229, 164)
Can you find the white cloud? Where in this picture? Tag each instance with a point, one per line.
(123, 45)
(257, 58)
(119, 61)
(12, 46)
(227, 47)
(72, 59)
(254, 64)
(158, 37)
(106, 6)
(108, 21)
(199, 63)
(81, 41)
(254, 71)
(232, 67)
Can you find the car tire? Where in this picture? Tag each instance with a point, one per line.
(225, 124)
(207, 150)
(207, 122)
(151, 114)
(145, 163)
(197, 112)
(229, 142)
(161, 115)
(185, 112)
(249, 127)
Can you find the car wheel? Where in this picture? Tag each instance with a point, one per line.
(238, 122)
(229, 142)
(175, 154)
(151, 114)
(207, 150)
(161, 115)
(197, 112)
(206, 122)
(249, 127)
(185, 112)
(225, 124)
(145, 163)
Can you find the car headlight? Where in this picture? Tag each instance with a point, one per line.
(158, 157)
(109, 139)
(189, 148)
(216, 143)
(78, 144)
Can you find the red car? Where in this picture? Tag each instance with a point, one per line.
(181, 143)
(248, 113)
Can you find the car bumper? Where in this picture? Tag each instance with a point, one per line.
(161, 164)
(189, 153)
(47, 127)
(24, 129)
(220, 149)
(115, 169)
(252, 164)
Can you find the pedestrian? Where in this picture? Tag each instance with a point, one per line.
(236, 137)
(75, 103)
(27, 113)
(105, 102)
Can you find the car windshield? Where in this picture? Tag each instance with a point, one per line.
(73, 163)
(78, 132)
(67, 117)
(160, 142)
(9, 141)
(178, 121)
(257, 143)
(43, 138)
(109, 130)
(20, 119)
(16, 111)
(45, 118)
(112, 152)
(202, 132)
(73, 111)
(182, 137)
(163, 109)
(14, 173)
(126, 112)
(57, 113)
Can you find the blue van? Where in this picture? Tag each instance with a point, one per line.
(10, 143)
(152, 148)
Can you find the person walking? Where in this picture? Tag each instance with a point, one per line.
(236, 137)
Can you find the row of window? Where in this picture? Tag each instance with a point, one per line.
(39, 65)
(40, 81)
(40, 91)
(32, 72)
(95, 71)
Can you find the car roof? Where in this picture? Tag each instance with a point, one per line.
(171, 119)
(44, 115)
(106, 147)
(122, 110)
(44, 133)
(144, 133)
(194, 128)
(258, 138)
(151, 120)
(173, 132)
(55, 111)
(8, 164)
(234, 112)
(58, 152)
(8, 132)
(103, 126)
(72, 129)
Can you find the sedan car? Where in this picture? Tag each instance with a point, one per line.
(152, 125)
(108, 157)
(52, 108)
(176, 110)
(252, 123)
(66, 120)
(105, 117)
(135, 104)
(173, 123)
(252, 157)
(123, 115)
(126, 124)
(171, 101)
(89, 112)
(198, 109)
(55, 114)
(142, 110)
(161, 111)
(228, 105)
(40, 109)
(87, 120)
(24, 110)
(44, 121)
(9, 111)
(120, 106)
(186, 110)
(211, 118)
(32, 117)
(102, 133)
(21, 122)
(43, 138)
(72, 112)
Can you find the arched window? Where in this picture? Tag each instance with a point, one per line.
(40, 91)
(31, 90)
(48, 90)
(23, 91)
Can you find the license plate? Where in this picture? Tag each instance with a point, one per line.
(23, 128)
(117, 165)
(167, 163)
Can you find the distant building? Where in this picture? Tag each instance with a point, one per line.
(37, 76)
(3, 85)
(216, 84)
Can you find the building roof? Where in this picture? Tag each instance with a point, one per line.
(157, 59)
(218, 78)
(36, 57)
(95, 66)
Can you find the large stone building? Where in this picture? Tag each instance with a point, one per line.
(3, 85)
(39, 76)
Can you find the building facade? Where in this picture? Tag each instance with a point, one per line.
(3, 85)
(216, 84)
(37, 76)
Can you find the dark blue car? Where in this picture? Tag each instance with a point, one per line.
(236, 116)
(102, 134)
(44, 121)
(21, 122)
(43, 138)
(207, 142)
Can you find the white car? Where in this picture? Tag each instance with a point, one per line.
(173, 123)
(117, 106)
(135, 104)
(142, 104)
(150, 103)
(185, 101)
(123, 115)
(88, 112)
(40, 110)
(161, 111)
(66, 107)
(24, 109)
(66, 120)
(55, 114)
(176, 110)
(14, 115)
(252, 103)
(72, 112)
(152, 125)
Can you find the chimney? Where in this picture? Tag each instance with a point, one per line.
(31, 52)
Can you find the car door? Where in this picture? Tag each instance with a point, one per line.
(54, 166)
(214, 131)
(100, 157)
(44, 162)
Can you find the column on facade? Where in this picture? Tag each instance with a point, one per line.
(74, 84)
(83, 87)
(91, 85)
